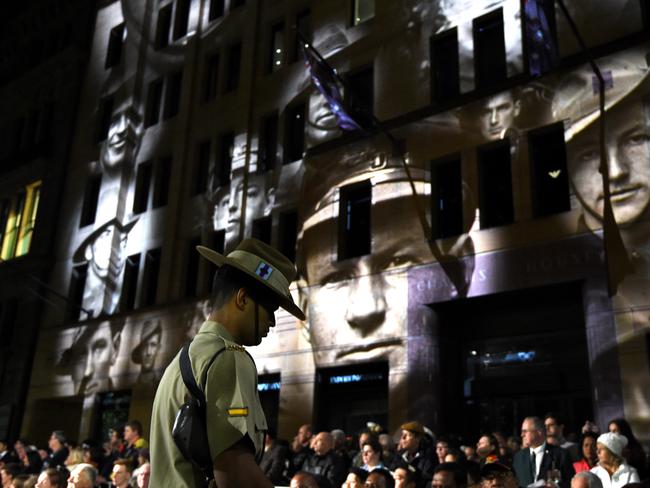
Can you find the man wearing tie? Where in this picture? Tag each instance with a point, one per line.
(537, 459)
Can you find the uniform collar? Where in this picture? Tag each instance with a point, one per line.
(211, 327)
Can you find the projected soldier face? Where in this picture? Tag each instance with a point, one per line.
(91, 358)
(322, 124)
(123, 133)
(101, 254)
(498, 115)
(628, 153)
(150, 351)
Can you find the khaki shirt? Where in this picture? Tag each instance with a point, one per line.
(233, 406)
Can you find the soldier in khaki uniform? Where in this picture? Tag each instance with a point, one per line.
(252, 281)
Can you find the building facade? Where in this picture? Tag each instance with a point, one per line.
(451, 264)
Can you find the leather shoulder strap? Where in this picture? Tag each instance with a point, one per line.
(188, 375)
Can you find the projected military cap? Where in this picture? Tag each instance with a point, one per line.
(577, 98)
(263, 263)
(149, 329)
(123, 229)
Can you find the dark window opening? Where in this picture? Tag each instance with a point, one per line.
(361, 95)
(288, 232)
(211, 78)
(294, 146)
(224, 158)
(142, 185)
(130, 283)
(446, 198)
(262, 229)
(8, 314)
(216, 9)
(161, 182)
(362, 11)
(91, 197)
(104, 117)
(276, 53)
(154, 97)
(445, 71)
(115, 42)
(495, 186)
(267, 154)
(181, 18)
(163, 26)
(43, 135)
(234, 62)
(303, 25)
(217, 242)
(192, 270)
(236, 3)
(489, 49)
(19, 132)
(268, 388)
(150, 278)
(173, 95)
(76, 291)
(354, 220)
(202, 168)
(550, 180)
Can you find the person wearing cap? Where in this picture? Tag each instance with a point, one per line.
(612, 469)
(497, 475)
(251, 283)
(413, 449)
(146, 352)
(59, 453)
(449, 475)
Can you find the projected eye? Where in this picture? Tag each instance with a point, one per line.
(336, 278)
(637, 139)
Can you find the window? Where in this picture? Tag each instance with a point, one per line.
(142, 184)
(236, 3)
(276, 54)
(211, 77)
(173, 94)
(91, 196)
(445, 74)
(262, 229)
(104, 115)
(446, 198)
(17, 136)
(234, 61)
(303, 25)
(192, 268)
(163, 26)
(150, 277)
(361, 95)
(267, 153)
(154, 97)
(202, 168)
(354, 220)
(288, 231)
(19, 218)
(43, 134)
(224, 158)
(115, 42)
(489, 49)
(495, 185)
(549, 179)
(216, 9)
(181, 18)
(362, 10)
(76, 292)
(294, 145)
(8, 313)
(130, 283)
(161, 182)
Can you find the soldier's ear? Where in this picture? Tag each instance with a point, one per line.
(241, 298)
(117, 338)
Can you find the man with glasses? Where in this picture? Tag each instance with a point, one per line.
(251, 283)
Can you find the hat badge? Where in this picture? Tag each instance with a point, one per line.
(264, 270)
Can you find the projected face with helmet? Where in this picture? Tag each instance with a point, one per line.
(627, 139)
(357, 307)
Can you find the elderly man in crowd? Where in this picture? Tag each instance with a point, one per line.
(59, 451)
(324, 461)
(82, 476)
(586, 479)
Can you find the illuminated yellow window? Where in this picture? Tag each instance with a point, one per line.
(17, 220)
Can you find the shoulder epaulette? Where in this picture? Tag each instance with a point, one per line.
(234, 347)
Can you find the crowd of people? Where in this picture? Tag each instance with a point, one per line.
(541, 457)
(414, 457)
(121, 462)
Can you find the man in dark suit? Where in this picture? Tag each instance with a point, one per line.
(536, 458)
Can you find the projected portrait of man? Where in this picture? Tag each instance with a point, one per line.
(146, 352)
(89, 359)
(627, 139)
(357, 307)
(103, 250)
(498, 115)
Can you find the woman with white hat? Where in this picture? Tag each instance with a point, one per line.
(612, 469)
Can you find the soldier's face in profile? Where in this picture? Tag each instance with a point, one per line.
(92, 360)
(257, 202)
(628, 153)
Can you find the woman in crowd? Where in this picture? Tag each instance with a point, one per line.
(53, 478)
(371, 453)
(633, 452)
(589, 456)
(612, 469)
(76, 456)
(356, 478)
